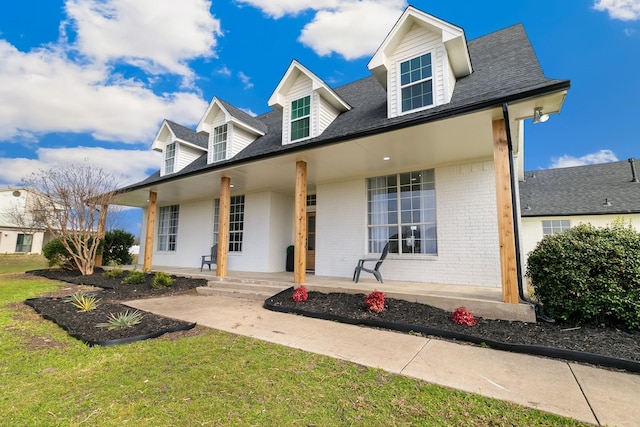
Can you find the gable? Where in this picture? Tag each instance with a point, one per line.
(321, 104)
(418, 36)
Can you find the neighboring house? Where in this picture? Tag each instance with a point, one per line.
(554, 200)
(416, 154)
(19, 231)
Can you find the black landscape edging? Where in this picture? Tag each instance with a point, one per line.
(557, 353)
(107, 343)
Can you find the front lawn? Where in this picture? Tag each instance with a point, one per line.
(210, 378)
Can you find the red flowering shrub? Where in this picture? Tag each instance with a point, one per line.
(300, 294)
(375, 301)
(462, 316)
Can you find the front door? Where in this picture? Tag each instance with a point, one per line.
(311, 240)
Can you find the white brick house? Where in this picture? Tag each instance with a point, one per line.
(417, 155)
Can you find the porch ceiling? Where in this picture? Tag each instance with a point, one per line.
(454, 140)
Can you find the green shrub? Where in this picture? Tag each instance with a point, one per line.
(135, 277)
(116, 247)
(57, 255)
(114, 273)
(589, 275)
(161, 280)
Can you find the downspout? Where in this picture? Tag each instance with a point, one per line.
(516, 228)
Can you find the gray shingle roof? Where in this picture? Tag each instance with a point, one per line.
(505, 69)
(580, 190)
(244, 117)
(201, 139)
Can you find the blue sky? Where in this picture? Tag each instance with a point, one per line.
(91, 80)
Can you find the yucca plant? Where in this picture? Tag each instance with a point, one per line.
(122, 320)
(83, 301)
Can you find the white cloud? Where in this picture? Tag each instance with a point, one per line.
(351, 28)
(624, 10)
(42, 91)
(71, 85)
(354, 29)
(246, 80)
(156, 36)
(602, 156)
(129, 165)
(279, 8)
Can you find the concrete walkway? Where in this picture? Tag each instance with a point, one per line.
(586, 393)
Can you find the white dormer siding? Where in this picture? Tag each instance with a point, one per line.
(418, 35)
(418, 42)
(325, 105)
(187, 156)
(240, 131)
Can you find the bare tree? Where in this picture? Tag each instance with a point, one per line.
(70, 199)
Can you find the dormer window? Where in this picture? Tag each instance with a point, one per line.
(300, 118)
(416, 83)
(169, 157)
(220, 143)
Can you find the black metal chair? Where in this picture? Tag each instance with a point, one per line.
(375, 270)
(210, 259)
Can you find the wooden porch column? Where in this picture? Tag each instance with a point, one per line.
(506, 237)
(151, 225)
(102, 226)
(223, 226)
(300, 226)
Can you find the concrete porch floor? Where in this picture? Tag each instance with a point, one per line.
(481, 301)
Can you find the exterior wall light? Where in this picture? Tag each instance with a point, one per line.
(539, 116)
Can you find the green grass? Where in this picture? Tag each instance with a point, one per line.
(19, 263)
(215, 378)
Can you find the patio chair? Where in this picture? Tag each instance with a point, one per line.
(210, 259)
(375, 270)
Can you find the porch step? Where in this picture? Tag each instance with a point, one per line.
(253, 289)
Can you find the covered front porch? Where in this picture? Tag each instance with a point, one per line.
(481, 301)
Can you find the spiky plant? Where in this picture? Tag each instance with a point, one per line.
(83, 301)
(122, 320)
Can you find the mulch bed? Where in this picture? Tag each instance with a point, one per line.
(410, 316)
(111, 292)
(398, 314)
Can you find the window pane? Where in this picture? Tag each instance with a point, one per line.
(300, 129)
(412, 230)
(168, 228)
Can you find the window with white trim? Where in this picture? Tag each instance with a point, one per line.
(236, 223)
(402, 211)
(555, 226)
(416, 83)
(300, 118)
(168, 228)
(169, 157)
(220, 143)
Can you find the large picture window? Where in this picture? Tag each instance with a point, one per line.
(300, 118)
(169, 157)
(402, 211)
(220, 143)
(168, 228)
(236, 223)
(416, 83)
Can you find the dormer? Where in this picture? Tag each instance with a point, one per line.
(308, 104)
(230, 130)
(179, 146)
(419, 62)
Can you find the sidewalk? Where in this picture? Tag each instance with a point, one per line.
(586, 393)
